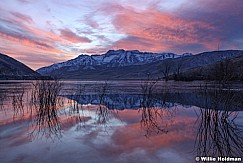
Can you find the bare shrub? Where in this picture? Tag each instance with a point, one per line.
(3, 98)
(103, 112)
(151, 116)
(45, 100)
(166, 70)
(218, 134)
(17, 101)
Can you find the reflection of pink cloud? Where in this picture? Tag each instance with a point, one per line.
(18, 141)
(131, 136)
(129, 115)
(68, 122)
(71, 36)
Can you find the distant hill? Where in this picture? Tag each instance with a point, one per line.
(10, 68)
(228, 69)
(122, 64)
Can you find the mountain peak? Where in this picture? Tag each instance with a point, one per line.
(121, 64)
(121, 51)
(112, 58)
(115, 51)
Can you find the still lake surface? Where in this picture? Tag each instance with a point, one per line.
(119, 121)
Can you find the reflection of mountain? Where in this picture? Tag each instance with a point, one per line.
(117, 101)
(131, 101)
(226, 100)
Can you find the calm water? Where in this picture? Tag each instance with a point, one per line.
(119, 121)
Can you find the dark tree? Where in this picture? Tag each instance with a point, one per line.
(224, 72)
(166, 69)
(177, 72)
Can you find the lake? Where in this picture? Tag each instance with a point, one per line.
(119, 121)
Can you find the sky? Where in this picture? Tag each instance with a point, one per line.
(40, 33)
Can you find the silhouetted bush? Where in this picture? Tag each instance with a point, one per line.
(44, 100)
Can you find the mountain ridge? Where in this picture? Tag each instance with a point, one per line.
(140, 71)
(11, 68)
(112, 58)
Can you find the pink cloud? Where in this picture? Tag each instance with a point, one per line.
(25, 42)
(26, 47)
(23, 17)
(91, 23)
(153, 30)
(32, 56)
(73, 37)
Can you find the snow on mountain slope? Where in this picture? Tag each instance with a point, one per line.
(113, 58)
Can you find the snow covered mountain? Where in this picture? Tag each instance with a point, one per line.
(113, 58)
(121, 64)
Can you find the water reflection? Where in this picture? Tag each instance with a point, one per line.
(218, 132)
(149, 112)
(78, 98)
(76, 94)
(2, 99)
(103, 113)
(75, 112)
(18, 101)
(45, 100)
(153, 110)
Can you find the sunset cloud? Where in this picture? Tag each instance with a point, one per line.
(24, 39)
(62, 31)
(73, 37)
(158, 31)
(33, 46)
(23, 17)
